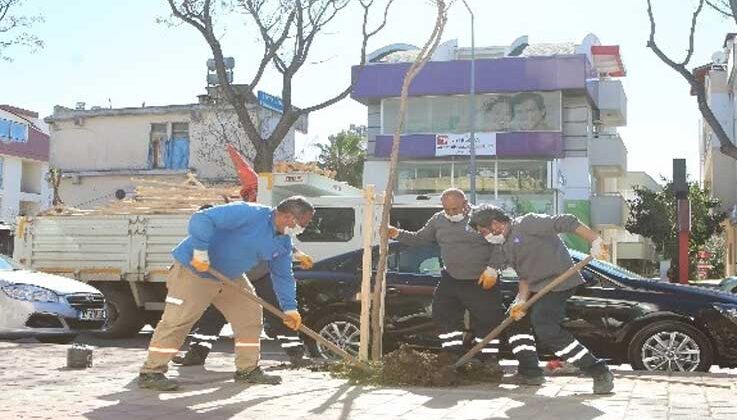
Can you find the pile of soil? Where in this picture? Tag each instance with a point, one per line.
(407, 366)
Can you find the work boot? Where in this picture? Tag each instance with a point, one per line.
(191, 358)
(256, 376)
(526, 380)
(603, 382)
(156, 381)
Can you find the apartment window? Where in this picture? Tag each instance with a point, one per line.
(330, 225)
(158, 145)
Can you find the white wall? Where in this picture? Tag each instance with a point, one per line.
(12, 171)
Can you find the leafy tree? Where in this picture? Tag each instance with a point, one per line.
(653, 215)
(344, 154)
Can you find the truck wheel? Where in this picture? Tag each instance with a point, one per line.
(124, 319)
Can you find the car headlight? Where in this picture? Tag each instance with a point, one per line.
(30, 293)
(729, 311)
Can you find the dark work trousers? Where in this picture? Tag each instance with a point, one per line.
(453, 297)
(212, 321)
(546, 317)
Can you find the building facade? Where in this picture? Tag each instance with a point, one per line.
(545, 118)
(718, 172)
(102, 151)
(24, 156)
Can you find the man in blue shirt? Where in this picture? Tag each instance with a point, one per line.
(232, 239)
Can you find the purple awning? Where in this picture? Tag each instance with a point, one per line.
(508, 74)
(508, 145)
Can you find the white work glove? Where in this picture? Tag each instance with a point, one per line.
(515, 309)
(200, 260)
(598, 249)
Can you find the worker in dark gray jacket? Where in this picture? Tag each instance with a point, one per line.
(467, 283)
(530, 244)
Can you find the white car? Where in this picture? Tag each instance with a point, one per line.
(53, 309)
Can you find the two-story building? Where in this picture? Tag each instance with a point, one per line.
(101, 151)
(24, 155)
(718, 172)
(545, 122)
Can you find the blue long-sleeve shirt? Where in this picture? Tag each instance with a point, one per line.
(237, 236)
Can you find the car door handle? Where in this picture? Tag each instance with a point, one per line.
(392, 291)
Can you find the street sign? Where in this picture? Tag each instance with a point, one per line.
(271, 102)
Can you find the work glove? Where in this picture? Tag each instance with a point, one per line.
(598, 249)
(515, 309)
(293, 319)
(305, 261)
(488, 278)
(393, 232)
(200, 260)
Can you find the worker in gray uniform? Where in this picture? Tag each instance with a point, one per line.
(467, 283)
(531, 245)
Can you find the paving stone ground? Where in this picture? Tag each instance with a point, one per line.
(34, 384)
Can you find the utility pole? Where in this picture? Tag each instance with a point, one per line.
(472, 110)
(683, 217)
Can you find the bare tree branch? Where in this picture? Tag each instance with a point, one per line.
(13, 29)
(288, 29)
(691, 34)
(726, 146)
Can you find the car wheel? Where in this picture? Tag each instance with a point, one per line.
(343, 330)
(57, 339)
(123, 316)
(671, 346)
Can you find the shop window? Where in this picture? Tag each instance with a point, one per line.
(330, 225)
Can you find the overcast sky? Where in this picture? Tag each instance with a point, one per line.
(107, 49)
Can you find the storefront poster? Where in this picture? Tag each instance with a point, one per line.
(460, 144)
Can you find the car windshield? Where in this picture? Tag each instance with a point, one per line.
(7, 263)
(607, 267)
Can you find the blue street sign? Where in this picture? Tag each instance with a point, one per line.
(271, 102)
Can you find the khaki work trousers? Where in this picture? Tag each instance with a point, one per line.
(188, 297)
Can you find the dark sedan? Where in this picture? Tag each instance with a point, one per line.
(619, 315)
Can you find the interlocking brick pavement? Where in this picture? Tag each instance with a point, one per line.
(34, 384)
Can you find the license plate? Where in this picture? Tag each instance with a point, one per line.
(92, 315)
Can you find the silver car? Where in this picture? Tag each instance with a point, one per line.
(53, 309)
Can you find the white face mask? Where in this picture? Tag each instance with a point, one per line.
(455, 218)
(293, 231)
(495, 239)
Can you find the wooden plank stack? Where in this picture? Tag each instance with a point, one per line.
(159, 197)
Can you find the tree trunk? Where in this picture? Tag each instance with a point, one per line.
(263, 161)
(377, 307)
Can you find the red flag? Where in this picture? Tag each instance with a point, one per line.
(246, 174)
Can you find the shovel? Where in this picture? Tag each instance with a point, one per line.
(526, 306)
(276, 311)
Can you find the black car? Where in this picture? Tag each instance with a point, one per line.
(618, 314)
